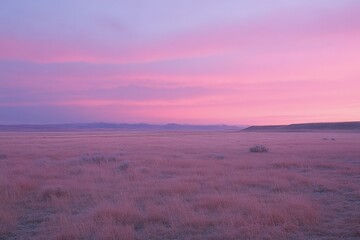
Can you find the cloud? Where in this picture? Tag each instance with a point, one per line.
(280, 66)
(281, 30)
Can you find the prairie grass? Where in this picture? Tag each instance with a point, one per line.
(139, 185)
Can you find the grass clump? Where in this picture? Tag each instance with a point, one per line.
(258, 149)
(97, 158)
(123, 166)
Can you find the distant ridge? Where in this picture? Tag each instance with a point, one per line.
(329, 126)
(115, 126)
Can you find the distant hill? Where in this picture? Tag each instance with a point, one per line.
(115, 126)
(332, 126)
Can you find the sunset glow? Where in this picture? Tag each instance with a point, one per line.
(201, 62)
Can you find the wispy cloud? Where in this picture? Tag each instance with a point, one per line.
(279, 64)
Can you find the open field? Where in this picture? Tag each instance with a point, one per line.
(163, 185)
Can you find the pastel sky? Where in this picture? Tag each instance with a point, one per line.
(189, 61)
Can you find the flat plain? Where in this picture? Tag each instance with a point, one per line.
(179, 185)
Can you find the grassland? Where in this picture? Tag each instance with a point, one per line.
(163, 185)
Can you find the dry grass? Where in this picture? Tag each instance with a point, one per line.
(179, 186)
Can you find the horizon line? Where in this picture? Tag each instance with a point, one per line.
(170, 123)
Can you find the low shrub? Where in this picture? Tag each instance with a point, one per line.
(258, 149)
(51, 193)
(97, 158)
(123, 166)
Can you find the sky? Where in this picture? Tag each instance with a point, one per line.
(191, 61)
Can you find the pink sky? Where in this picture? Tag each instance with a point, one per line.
(239, 62)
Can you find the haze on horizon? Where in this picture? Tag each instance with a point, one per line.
(201, 62)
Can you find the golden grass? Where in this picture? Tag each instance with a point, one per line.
(141, 185)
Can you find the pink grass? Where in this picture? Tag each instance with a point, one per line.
(175, 186)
